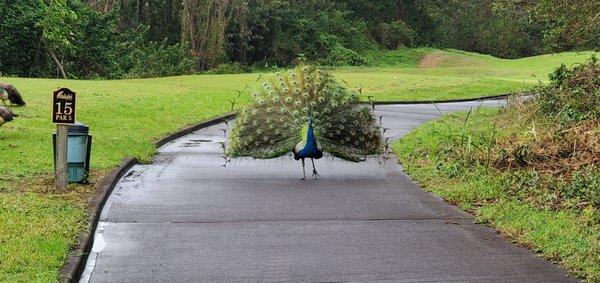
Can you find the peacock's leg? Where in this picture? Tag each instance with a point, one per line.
(315, 174)
(303, 170)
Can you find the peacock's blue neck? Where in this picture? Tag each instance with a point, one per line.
(308, 146)
(310, 134)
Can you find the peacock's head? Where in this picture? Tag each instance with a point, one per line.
(310, 121)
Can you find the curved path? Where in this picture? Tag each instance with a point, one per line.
(186, 218)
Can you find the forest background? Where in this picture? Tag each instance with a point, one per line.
(148, 38)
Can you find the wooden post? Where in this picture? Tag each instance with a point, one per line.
(61, 157)
(63, 114)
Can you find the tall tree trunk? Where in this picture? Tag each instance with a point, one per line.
(60, 67)
(203, 26)
(109, 5)
(189, 25)
(102, 5)
(242, 11)
(142, 11)
(122, 24)
(400, 10)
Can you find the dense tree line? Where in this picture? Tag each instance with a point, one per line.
(140, 38)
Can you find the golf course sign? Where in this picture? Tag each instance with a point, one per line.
(63, 107)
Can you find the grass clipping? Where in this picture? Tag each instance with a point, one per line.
(549, 148)
(561, 141)
(568, 110)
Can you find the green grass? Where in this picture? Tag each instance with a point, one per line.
(36, 235)
(458, 74)
(448, 158)
(401, 58)
(38, 225)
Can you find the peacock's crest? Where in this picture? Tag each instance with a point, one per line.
(276, 121)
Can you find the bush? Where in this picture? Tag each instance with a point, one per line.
(584, 186)
(342, 56)
(18, 32)
(395, 35)
(151, 59)
(230, 68)
(574, 93)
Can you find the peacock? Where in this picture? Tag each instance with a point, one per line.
(306, 112)
(6, 115)
(10, 93)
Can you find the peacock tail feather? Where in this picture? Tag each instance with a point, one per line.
(277, 119)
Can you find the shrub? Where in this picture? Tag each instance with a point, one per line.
(230, 68)
(584, 186)
(574, 93)
(150, 58)
(342, 56)
(395, 35)
(157, 59)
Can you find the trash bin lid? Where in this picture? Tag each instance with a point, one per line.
(78, 127)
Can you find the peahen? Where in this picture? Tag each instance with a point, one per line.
(9, 92)
(6, 115)
(307, 112)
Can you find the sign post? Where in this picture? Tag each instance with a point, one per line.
(63, 114)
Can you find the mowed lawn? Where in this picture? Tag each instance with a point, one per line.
(39, 225)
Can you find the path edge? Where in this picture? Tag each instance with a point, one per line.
(76, 261)
(190, 129)
(490, 97)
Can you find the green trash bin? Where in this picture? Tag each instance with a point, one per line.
(79, 145)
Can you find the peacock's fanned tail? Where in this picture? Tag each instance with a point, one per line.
(272, 125)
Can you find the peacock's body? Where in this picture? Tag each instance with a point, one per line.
(307, 112)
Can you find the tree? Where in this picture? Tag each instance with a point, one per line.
(102, 5)
(58, 27)
(569, 24)
(86, 38)
(203, 26)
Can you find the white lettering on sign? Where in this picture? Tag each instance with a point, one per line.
(65, 96)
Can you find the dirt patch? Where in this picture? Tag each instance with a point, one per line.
(448, 59)
(430, 60)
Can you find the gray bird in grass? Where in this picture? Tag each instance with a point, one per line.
(10, 93)
(6, 115)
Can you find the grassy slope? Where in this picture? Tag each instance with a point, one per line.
(37, 225)
(567, 236)
(458, 75)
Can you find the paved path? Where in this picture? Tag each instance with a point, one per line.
(185, 218)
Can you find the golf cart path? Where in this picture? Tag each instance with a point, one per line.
(186, 218)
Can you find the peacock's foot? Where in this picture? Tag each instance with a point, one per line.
(303, 179)
(315, 174)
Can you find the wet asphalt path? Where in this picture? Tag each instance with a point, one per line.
(185, 218)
